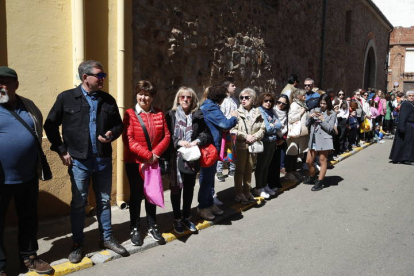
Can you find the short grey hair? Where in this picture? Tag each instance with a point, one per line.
(87, 66)
(409, 92)
(309, 79)
(251, 92)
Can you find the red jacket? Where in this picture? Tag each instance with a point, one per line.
(136, 149)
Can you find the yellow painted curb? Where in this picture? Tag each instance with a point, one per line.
(66, 268)
(203, 225)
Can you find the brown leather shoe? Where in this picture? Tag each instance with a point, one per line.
(33, 263)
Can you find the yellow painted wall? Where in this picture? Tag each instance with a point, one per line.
(38, 45)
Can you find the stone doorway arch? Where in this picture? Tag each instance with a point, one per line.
(370, 65)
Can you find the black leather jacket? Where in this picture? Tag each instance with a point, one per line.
(71, 110)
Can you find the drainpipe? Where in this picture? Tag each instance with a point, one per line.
(325, 2)
(120, 173)
(386, 61)
(78, 56)
(78, 37)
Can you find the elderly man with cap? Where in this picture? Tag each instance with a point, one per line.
(19, 169)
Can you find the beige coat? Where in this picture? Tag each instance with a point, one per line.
(255, 127)
(298, 145)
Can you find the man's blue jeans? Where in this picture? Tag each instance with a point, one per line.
(81, 173)
(206, 180)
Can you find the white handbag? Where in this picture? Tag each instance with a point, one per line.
(190, 154)
(294, 129)
(256, 147)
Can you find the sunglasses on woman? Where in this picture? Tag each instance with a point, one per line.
(268, 101)
(284, 104)
(185, 97)
(244, 98)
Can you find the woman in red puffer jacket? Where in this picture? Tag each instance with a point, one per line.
(137, 154)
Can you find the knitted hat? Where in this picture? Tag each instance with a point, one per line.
(7, 72)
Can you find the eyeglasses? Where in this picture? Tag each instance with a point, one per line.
(307, 85)
(268, 101)
(281, 103)
(365, 95)
(99, 75)
(244, 98)
(185, 97)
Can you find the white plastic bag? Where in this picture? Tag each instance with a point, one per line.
(190, 154)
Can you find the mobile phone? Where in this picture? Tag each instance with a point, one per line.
(317, 110)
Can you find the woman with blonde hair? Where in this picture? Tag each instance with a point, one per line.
(296, 145)
(187, 127)
(249, 129)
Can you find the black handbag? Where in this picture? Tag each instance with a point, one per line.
(46, 171)
(163, 163)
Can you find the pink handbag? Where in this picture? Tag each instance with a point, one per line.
(153, 189)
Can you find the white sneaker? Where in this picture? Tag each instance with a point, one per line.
(217, 201)
(305, 167)
(291, 177)
(261, 193)
(381, 142)
(317, 166)
(269, 191)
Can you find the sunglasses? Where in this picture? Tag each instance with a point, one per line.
(268, 101)
(365, 95)
(284, 104)
(244, 98)
(185, 97)
(308, 85)
(341, 94)
(99, 75)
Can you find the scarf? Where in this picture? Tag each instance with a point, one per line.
(183, 130)
(300, 103)
(282, 116)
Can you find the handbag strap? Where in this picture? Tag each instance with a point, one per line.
(247, 131)
(145, 130)
(17, 116)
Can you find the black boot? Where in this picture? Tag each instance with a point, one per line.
(309, 180)
(318, 185)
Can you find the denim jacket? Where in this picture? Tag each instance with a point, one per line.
(272, 124)
(216, 121)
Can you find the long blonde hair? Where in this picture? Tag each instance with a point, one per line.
(194, 99)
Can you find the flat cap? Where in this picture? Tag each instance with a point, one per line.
(7, 72)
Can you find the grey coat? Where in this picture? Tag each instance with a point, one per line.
(321, 133)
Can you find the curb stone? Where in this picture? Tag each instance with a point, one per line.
(64, 267)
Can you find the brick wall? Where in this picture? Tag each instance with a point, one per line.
(198, 43)
(400, 39)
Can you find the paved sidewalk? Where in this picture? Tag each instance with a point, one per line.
(55, 237)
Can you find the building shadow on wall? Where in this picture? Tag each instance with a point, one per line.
(3, 34)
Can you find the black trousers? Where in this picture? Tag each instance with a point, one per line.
(136, 186)
(273, 177)
(188, 193)
(342, 131)
(25, 196)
